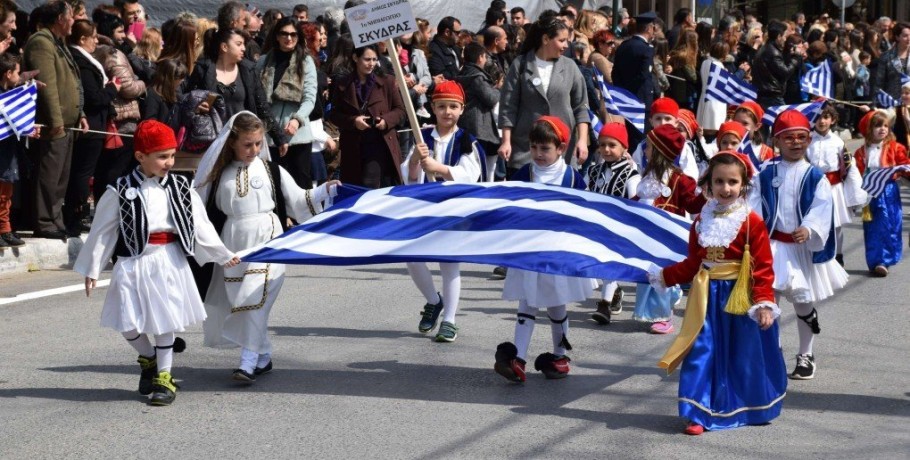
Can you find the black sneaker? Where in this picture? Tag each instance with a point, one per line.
(11, 239)
(263, 370)
(241, 375)
(429, 316)
(805, 368)
(149, 368)
(602, 315)
(500, 272)
(616, 302)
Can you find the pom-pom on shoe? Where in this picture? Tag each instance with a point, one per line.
(553, 366)
(508, 364)
(694, 429)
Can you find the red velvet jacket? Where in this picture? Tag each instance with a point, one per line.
(683, 197)
(759, 246)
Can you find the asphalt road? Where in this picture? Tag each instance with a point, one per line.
(353, 378)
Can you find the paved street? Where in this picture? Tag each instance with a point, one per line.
(354, 379)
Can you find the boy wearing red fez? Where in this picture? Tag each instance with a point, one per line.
(549, 139)
(795, 201)
(152, 221)
(447, 153)
(665, 111)
(614, 175)
(664, 186)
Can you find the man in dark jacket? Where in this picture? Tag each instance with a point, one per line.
(773, 66)
(632, 68)
(481, 96)
(445, 57)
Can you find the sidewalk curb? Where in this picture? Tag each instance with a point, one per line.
(40, 254)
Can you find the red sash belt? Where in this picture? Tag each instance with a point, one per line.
(783, 237)
(162, 238)
(834, 177)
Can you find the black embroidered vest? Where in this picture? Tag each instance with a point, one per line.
(134, 232)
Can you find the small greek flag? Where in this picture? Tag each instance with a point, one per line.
(596, 124)
(885, 100)
(17, 111)
(622, 103)
(746, 147)
(727, 88)
(810, 109)
(818, 81)
(905, 79)
(874, 182)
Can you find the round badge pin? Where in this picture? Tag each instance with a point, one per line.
(536, 81)
(256, 182)
(776, 182)
(131, 193)
(665, 192)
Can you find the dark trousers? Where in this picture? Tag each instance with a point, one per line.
(54, 159)
(298, 163)
(86, 151)
(111, 165)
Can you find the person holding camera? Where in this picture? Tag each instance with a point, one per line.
(366, 108)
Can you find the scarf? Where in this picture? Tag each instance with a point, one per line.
(290, 83)
(94, 62)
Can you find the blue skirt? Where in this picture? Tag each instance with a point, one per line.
(883, 234)
(652, 306)
(734, 374)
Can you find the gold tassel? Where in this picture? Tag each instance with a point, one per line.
(740, 300)
(867, 214)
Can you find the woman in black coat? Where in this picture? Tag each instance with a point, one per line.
(98, 92)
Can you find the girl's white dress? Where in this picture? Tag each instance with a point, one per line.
(240, 298)
(153, 293)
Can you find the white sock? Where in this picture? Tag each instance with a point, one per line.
(608, 289)
(423, 279)
(248, 359)
(839, 240)
(263, 360)
(164, 347)
(559, 328)
(140, 342)
(806, 337)
(451, 289)
(524, 328)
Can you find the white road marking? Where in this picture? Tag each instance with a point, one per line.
(50, 292)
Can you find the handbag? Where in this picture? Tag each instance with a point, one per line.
(112, 140)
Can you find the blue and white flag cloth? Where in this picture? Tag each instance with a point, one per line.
(747, 148)
(622, 103)
(905, 79)
(884, 99)
(17, 111)
(725, 87)
(596, 124)
(874, 182)
(818, 81)
(810, 109)
(529, 226)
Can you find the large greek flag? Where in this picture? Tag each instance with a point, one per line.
(818, 81)
(810, 109)
(885, 100)
(621, 102)
(522, 225)
(874, 182)
(725, 87)
(17, 111)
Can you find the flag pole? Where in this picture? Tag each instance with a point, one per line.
(403, 89)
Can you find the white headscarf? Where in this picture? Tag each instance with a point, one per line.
(207, 163)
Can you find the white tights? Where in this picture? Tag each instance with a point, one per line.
(163, 350)
(451, 286)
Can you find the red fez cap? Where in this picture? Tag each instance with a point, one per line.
(153, 136)
(750, 168)
(866, 120)
(616, 131)
(753, 107)
(449, 90)
(667, 140)
(688, 120)
(558, 126)
(790, 120)
(731, 127)
(665, 105)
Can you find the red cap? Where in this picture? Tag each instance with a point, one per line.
(731, 127)
(616, 131)
(866, 120)
(665, 105)
(667, 140)
(558, 125)
(753, 107)
(449, 90)
(688, 120)
(153, 136)
(750, 168)
(790, 120)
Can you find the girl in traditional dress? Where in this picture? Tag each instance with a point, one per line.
(249, 199)
(151, 220)
(733, 371)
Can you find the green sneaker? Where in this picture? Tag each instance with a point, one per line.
(448, 332)
(429, 316)
(165, 390)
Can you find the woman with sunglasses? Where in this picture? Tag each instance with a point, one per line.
(288, 76)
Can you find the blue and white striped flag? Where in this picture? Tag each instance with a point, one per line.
(884, 99)
(17, 111)
(522, 225)
(874, 182)
(905, 79)
(596, 124)
(622, 103)
(810, 109)
(725, 87)
(818, 81)
(747, 148)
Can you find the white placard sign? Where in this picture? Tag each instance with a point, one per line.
(380, 20)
